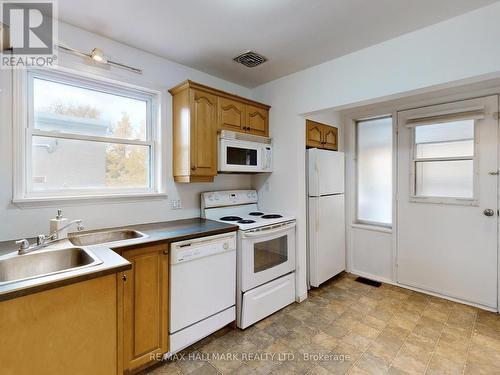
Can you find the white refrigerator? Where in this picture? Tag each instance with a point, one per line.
(326, 215)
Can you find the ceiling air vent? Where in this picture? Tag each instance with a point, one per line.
(250, 59)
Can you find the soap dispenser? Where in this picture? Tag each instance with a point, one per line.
(57, 223)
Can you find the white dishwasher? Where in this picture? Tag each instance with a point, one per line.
(202, 288)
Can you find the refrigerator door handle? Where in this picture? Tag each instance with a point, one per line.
(317, 214)
(319, 194)
(316, 169)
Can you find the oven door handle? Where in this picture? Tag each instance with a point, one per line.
(271, 230)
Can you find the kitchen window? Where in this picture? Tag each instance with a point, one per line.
(86, 137)
(374, 171)
(443, 161)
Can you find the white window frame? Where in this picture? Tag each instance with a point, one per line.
(357, 221)
(413, 197)
(24, 130)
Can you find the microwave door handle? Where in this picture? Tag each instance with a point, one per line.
(266, 232)
(266, 158)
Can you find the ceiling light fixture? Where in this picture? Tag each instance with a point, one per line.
(97, 55)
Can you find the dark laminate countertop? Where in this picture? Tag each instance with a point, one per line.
(166, 232)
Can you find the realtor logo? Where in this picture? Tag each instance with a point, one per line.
(28, 33)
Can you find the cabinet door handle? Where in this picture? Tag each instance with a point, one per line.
(193, 168)
(124, 277)
(165, 252)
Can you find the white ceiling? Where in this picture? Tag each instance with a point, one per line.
(292, 34)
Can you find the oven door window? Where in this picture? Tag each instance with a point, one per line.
(241, 156)
(269, 254)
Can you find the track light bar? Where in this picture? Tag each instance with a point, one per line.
(97, 55)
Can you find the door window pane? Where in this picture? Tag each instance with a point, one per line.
(374, 171)
(444, 160)
(65, 164)
(269, 254)
(445, 178)
(451, 139)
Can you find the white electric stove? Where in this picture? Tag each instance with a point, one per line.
(265, 252)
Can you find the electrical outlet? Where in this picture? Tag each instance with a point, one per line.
(175, 204)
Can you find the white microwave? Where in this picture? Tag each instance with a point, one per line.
(244, 153)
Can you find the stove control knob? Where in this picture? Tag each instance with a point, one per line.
(225, 246)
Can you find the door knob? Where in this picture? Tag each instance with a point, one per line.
(489, 212)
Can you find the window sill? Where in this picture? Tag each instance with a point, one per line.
(85, 199)
(374, 228)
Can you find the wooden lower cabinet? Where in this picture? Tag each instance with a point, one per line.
(144, 294)
(67, 330)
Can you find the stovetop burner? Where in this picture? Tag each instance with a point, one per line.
(256, 213)
(231, 218)
(271, 216)
(246, 221)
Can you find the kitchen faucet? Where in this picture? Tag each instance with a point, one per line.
(42, 240)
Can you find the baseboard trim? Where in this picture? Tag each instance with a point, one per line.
(301, 298)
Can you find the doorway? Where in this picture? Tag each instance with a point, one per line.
(447, 200)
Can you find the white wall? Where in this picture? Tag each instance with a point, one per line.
(444, 54)
(371, 254)
(158, 74)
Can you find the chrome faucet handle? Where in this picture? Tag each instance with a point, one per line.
(23, 245)
(80, 227)
(40, 239)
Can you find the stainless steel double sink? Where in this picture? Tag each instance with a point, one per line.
(97, 238)
(40, 263)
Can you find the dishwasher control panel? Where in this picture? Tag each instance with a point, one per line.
(188, 250)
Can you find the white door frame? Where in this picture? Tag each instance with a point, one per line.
(423, 98)
(471, 292)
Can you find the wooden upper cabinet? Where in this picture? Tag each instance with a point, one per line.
(199, 112)
(194, 134)
(204, 134)
(314, 136)
(321, 136)
(237, 116)
(144, 290)
(231, 115)
(330, 141)
(257, 120)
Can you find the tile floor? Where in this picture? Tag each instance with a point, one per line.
(348, 327)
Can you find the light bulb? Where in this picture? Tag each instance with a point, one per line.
(98, 56)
